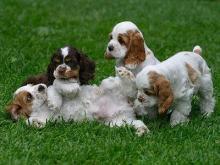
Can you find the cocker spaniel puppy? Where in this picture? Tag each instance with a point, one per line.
(174, 82)
(72, 64)
(104, 103)
(30, 101)
(128, 47)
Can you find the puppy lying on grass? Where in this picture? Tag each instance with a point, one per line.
(67, 100)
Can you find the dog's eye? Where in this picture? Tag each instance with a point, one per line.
(29, 97)
(120, 40)
(68, 59)
(149, 92)
(57, 60)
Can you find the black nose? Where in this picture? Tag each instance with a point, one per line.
(61, 69)
(110, 47)
(41, 88)
(141, 99)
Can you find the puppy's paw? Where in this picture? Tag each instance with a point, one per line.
(174, 123)
(131, 66)
(142, 130)
(70, 90)
(35, 122)
(53, 105)
(125, 74)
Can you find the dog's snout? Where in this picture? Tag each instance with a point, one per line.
(141, 99)
(61, 69)
(110, 47)
(75, 76)
(41, 88)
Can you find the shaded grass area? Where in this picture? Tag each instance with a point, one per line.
(30, 31)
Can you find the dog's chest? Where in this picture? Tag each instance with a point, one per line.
(79, 108)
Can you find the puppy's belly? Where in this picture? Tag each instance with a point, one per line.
(106, 108)
(75, 110)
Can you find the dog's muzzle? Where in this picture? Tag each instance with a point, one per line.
(108, 56)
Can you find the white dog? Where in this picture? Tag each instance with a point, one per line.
(30, 101)
(174, 82)
(106, 103)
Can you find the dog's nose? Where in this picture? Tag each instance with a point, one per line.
(141, 99)
(110, 47)
(41, 88)
(75, 76)
(62, 69)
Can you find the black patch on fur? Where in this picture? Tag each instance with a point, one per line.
(87, 66)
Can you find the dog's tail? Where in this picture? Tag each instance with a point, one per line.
(198, 50)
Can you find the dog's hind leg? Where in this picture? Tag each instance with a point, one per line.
(207, 101)
(139, 125)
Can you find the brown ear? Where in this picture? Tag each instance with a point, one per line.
(136, 52)
(163, 90)
(14, 110)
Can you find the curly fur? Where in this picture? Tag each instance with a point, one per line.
(86, 68)
(174, 82)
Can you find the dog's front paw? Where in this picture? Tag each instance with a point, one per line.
(53, 105)
(124, 74)
(35, 122)
(142, 130)
(183, 121)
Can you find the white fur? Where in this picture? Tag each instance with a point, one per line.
(175, 71)
(40, 111)
(197, 49)
(106, 103)
(65, 51)
(120, 51)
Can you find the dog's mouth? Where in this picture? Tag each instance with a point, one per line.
(108, 56)
(67, 74)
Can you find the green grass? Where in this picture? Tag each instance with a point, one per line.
(30, 31)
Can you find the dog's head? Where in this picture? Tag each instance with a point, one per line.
(70, 64)
(127, 43)
(154, 90)
(27, 99)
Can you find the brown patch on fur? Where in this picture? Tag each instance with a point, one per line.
(20, 106)
(38, 79)
(135, 44)
(163, 91)
(192, 73)
(72, 73)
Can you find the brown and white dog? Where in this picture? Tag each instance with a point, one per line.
(173, 83)
(105, 103)
(128, 47)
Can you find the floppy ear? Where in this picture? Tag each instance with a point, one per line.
(87, 68)
(136, 52)
(38, 79)
(163, 91)
(50, 70)
(14, 110)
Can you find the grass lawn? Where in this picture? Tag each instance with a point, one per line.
(30, 31)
